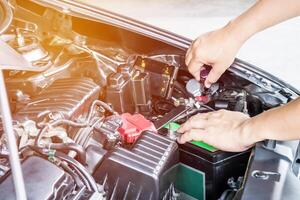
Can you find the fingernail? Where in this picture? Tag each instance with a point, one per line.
(179, 140)
(207, 85)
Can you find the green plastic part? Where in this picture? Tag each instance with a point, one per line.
(51, 155)
(204, 145)
(190, 181)
(174, 127)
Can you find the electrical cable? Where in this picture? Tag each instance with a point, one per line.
(71, 172)
(85, 141)
(72, 123)
(207, 107)
(91, 184)
(57, 123)
(70, 146)
(193, 111)
(81, 168)
(81, 137)
(100, 103)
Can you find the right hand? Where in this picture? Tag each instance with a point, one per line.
(216, 49)
(223, 129)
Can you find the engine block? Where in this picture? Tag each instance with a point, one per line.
(69, 97)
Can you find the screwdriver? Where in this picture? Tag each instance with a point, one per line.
(203, 76)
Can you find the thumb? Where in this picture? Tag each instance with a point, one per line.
(193, 134)
(214, 74)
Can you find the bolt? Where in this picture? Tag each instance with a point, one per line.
(260, 175)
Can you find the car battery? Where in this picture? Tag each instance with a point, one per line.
(204, 171)
(217, 166)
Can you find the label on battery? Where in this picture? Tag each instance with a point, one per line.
(174, 127)
(189, 182)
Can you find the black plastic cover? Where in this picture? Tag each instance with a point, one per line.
(70, 97)
(139, 173)
(160, 74)
(119, 93)
(43, 180)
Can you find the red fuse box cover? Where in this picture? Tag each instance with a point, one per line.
(133, 126)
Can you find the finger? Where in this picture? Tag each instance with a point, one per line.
(214, 114)
(200, 123)
(193, 134)
(197, 121)
(194, 68)
(188, 56)
(189, 53)
(214, 74)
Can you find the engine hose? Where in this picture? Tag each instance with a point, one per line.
(84, 180)
(84, 134)
(70, 146)
(100, 103)
(81, 168)
(90, 182)
(45, 155)
(57, 123)
(72, 123)
(77, 180)
(85, 139)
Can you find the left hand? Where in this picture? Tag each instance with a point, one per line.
(222, 129)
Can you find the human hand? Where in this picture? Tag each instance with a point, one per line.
(216, 49)
(225, 130)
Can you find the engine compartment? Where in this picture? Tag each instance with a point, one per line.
(103, 108)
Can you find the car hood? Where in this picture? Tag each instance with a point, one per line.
(193, 18)
(86, 10)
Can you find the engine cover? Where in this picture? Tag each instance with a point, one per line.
(139, 173)
(69, 97)
(43, 180)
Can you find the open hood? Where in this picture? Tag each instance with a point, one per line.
(96, 99)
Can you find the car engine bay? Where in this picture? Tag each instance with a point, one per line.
(98, 119)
